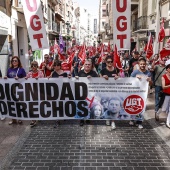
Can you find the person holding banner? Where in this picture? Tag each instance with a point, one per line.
(109, 72)
(86, 72)
(34, 73)
(15, 71)
(57, 73)
(46, 66)
(159, 69)
(166, 91)
(141, 73)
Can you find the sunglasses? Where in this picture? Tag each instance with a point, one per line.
(34, 65)
(15, 61)
(109, 61)
(46, 57)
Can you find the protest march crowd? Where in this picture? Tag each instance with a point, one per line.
(82, 61)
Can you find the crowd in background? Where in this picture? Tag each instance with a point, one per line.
(155, 70)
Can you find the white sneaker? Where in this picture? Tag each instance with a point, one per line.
(108, 122)
(140, 126)
(131, 123)
(2, 117)
(113, 125)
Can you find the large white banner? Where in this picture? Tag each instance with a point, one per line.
(94, 98)
(122, 23)
(35, 24)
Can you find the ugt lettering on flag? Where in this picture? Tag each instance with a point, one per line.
(35, 24)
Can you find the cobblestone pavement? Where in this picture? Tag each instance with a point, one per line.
(92, 147)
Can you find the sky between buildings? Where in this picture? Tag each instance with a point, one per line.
(91, 5)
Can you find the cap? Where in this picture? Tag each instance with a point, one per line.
(167, 62)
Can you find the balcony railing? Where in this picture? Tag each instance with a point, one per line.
(59, 10)
(140, 23)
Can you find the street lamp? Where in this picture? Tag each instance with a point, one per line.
(98, 39)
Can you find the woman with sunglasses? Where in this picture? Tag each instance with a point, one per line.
(15, 71)
(34, 73)
(58, 72)
(109, 71)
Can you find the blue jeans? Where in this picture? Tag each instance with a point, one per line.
(157, 99)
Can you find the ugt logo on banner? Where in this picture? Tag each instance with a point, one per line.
(35, 24)
(133, 104)
(121, 24)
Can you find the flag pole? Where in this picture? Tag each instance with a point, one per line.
(158, 15)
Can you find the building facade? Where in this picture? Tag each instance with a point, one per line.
(5, 34)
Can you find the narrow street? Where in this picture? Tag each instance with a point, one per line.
(91, 147)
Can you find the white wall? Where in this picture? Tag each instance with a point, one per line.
(20, 42)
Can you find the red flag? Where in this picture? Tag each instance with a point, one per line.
(56, 47)
(166, 50)
(164, 53)
(52, 49)
(82, 53)
(149, 50)
(161, 32)
(99, 48)
(117, 63)
(61, 56)
(67, 65)
(101, 54)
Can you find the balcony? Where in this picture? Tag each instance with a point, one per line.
(140, 24)
(59, 13)
(53, 27)
(19, 6)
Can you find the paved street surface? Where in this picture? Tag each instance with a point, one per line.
(91, 147)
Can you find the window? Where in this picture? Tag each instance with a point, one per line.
(145, 8)
(154, 2)
(103, 24)
(104, 14)
(3, 3)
